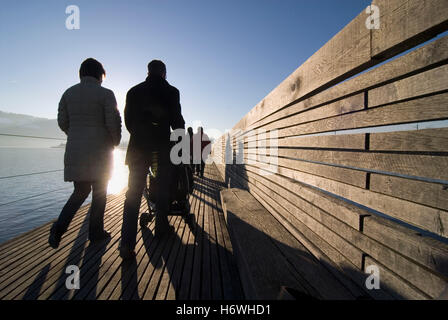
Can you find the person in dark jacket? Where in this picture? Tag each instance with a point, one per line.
(152, 108)
(89, 116)
(203, 141)
(190, 137)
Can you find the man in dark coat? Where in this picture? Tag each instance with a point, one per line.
(152, 107)
(203, 141)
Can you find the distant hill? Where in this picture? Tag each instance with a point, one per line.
(26, 125)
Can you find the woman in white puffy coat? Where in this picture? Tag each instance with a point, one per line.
(89, 116)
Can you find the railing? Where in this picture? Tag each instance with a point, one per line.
(348, 171)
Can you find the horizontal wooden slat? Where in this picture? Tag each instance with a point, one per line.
(349, 214)
(416, 26)
(428, 82)
(347, 105)
(431, 140)
(343, 141)
(434, 220)
(417, 275)
(426, 251)
(310, 214)
(339, 58)
(427, 56)
(427, 108)
(349, 176)
(397, 286)
(405, 23)
(425, 217)
(430, 194)
(434, 167)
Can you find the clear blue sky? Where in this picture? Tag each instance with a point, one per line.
(223, 56)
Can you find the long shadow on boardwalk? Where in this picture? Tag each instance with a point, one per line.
(73, 258)
(194, 262)
(180, 264)
(33, 291)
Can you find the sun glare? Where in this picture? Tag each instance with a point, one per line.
(120, 173)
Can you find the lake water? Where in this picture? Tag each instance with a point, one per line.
(31, 201)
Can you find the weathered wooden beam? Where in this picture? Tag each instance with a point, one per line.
(398, 287)
(343, 141)
(426, 57)
(341, 57)
(427, 108)
(346, 175)
(406, 23)
(425, 166)
(349, 214)
(427, 140)
(420, 248)
(429, 194)
(427, 218)
(347, 105)
(428, 82)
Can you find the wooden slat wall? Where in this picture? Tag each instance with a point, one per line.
(364, 197)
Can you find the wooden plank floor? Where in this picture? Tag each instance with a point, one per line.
(195, 262)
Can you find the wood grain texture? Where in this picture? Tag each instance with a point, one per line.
(426, 166)
(343, 141)
(347, 105)
(430, 194)
(401, 30)
(405, 23)
(428, 140)
(349, 214)
(398, 287)
(428, 82)
(427, 251)
(339, 58)
(427, 218)
(426, 57)
(303, 192)
(427, 108)
(317, 220)
(349, 176)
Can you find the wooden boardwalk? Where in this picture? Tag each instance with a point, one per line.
(195, 262)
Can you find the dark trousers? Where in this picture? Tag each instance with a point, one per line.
(96, 211)
(137, 180)
(199, 168)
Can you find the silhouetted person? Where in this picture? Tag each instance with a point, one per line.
(89, 116)
(203, 140)
(190, 136)
(152, 107)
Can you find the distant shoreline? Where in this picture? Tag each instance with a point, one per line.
(28, 147)
(50, 147)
